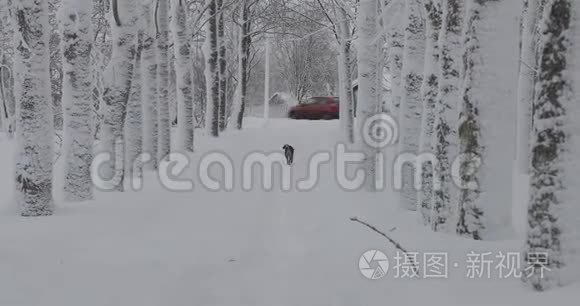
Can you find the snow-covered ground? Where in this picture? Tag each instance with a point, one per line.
(254, 248)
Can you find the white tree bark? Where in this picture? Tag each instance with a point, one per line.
(7, 99)
(149, 77)
(163, 120)
(486, 129)
(76, 26)
(526, 84)
(35, 132)
(411, 102)
(346, 98)
(119, 76)
(243, 57)
(210, 50)
(183, 64)
(447, 113)
(134, 120)
(529, 51)
(368, 94)
(554, 213)
(222, 64)
(429, 93)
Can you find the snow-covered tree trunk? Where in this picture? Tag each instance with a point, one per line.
(222, 65)
(163, 112)
(395, 35)
(56, 73)
(411, 101)
(429, 92)
(134, 120)
(486, 129)
(243, 56)
(119, 76)
(149, 95)
(75, 17)
(210, 49)
(346, 100)
(368, 52)
(447, 113)
(7, 99)
(553, 239)
(529, 51)
(526, 84)
(35, 132)
(183, 64)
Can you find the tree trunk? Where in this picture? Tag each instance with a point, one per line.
(429, 92)
(486, 129)
(150, 97)
(75, 17)
(526, 83)
(163, 120)
(447, 114)
(211, 71)
(56, 72)
(243, 56)
(368, 53)
(396, 43)
(222, 66)
(35, 132)
(411, 102)
(183, 72)
(553, 240)
(7, 99)
(116, 95)
(345, 77)
(134, 122)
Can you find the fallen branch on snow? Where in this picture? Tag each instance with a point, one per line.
(391, 240)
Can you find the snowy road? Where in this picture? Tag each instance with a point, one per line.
(254, 248)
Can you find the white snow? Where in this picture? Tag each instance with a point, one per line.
(158, 247)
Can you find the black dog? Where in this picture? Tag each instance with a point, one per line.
(288, 153)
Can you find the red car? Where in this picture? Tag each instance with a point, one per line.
(316, 108)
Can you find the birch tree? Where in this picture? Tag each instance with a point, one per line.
(77, 38)
(447, 114)
(368, 59)
(429, 92)
(486, 129)
(183, 69)
(553, 239)
(149, 77)
(211, 53)
(526, 84)
(222, 64)
(7, 99)
(118, 87)
(56, 73)
(396, 42)
(35, 132)
(245, 25)
(346, 98)
(134, 118)
(411, 102)
(163, 119)
(529, 51)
